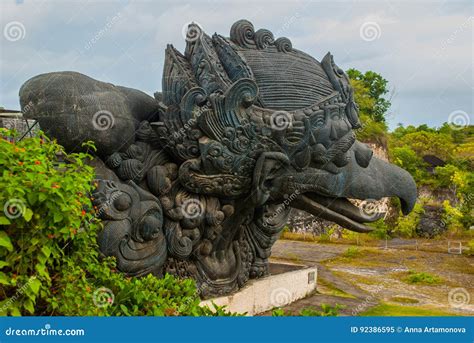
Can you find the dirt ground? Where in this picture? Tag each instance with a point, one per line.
(374, 280)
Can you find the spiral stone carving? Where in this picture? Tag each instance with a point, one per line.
(283, 44)
(242, 33)
(263, 38)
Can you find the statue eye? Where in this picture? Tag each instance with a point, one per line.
(123, 202)
(215, 151)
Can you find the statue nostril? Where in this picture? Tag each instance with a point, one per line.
(363, 155)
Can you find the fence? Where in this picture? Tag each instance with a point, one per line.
(445, 246)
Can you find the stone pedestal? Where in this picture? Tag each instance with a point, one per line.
(261, 295)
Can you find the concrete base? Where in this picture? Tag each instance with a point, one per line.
(264, 294)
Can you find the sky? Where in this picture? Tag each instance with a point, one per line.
(423, 48)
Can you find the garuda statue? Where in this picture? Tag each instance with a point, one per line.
(199, 181)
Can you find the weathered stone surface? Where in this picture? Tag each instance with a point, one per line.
(431, 223)
(75, 108)
(204, 188)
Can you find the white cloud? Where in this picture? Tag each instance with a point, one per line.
(424, 48)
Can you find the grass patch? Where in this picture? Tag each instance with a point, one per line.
(401, 310)
(422, 278)
(404, 300)
(352, 252)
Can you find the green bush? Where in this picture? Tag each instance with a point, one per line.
(421, 278)
(49, 259)
(470, 250)
(406, 225)
(278, 312)
(326, 311)
(352, 252)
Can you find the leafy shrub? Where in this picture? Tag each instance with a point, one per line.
(406, 225)
(47, 214)
(326, 311)
(49, 259)
(278, 312)
(470, 250)
(352, 252)
(452, 217)
(421, 278)
(324, 238)
(381, 229)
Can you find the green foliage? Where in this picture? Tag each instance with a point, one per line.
(381, 229)
(452, 217)
(278, 312)
(407, 159)
(384, 309)
(421, 278)
(46, 214)
(406, 225)
(376, 87)
(424, 141)
(49, 260)
(470, 250)
(324, 238)
(352, 252)
(408, 145)
(325, 311)
(372, 131)
(369, 89)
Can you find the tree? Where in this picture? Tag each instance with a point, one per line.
(373, 86)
